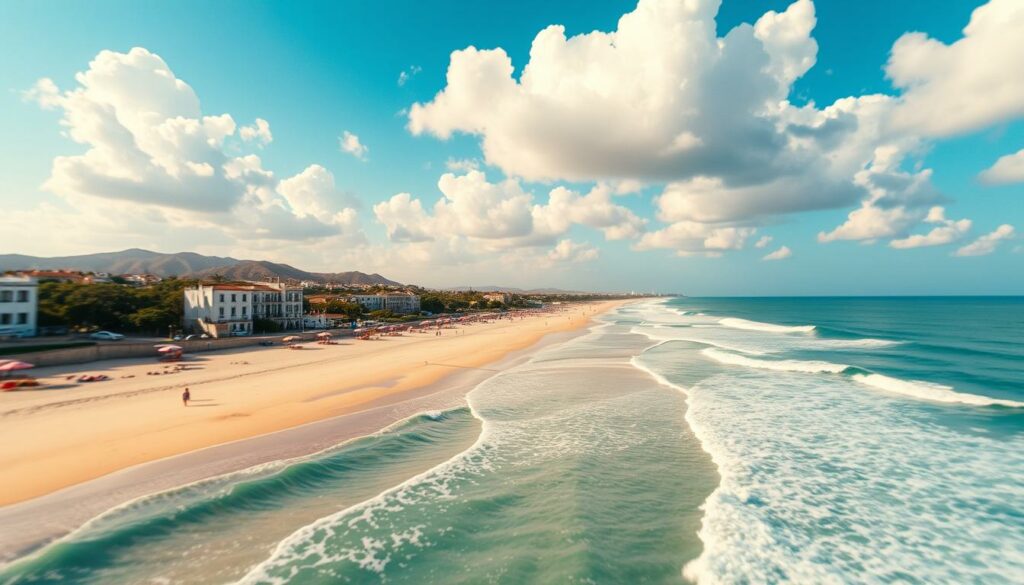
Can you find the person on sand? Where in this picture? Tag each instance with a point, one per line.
(185, 397)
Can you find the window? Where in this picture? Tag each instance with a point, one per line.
(233, 297)
(233, 311)
(222, 312)
(243, 311)
(22, 296)
(22, 318)
(222, 297)
(243, 298)
(5, 319)
(6, 296)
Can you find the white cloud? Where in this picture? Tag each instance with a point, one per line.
(688, 238)
(656, 100)
(780, 254)
(259, 131)
(503, 214)
(987, 244)
(896, 201)
(653, 99)
(461, 165)
(149, 151)
(570, 251)
(946, 232)
(970, 84)
(763, 242)
(350, 143)
(404, 219)
(406, 74)
(1008, 169)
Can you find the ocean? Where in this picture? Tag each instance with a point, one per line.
(770, 440)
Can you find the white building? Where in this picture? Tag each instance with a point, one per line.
(279, 303)
(224, 310)
(502, 297)
(394, 302)
(19, 304)
(219, 310)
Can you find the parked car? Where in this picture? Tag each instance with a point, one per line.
(106, 336)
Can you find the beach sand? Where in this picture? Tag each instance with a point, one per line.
(69, 433)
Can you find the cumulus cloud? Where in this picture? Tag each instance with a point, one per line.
(258, 131)
(503, 214)
(349, 142)
(149, 150)
(946, 231)
(1008, 169)
(655, 101)
(688, 238)
(763, 242)
(780, 254)
(969, 84)
(896, 201)
(570, 251)
(987, 243)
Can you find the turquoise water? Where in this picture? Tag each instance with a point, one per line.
(708, 440)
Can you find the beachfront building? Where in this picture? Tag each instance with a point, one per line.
(277, 302)
(219, 310)
(224, 310)
(394, 302)
(501, 297)
(19, 304)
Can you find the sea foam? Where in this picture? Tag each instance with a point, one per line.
(808, 366)
(765, 327)
(930, 391)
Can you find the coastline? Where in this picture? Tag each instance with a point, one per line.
(363, 406)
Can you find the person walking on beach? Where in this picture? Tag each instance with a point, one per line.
(185, 396)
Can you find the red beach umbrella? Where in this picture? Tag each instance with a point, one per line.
(13, 365)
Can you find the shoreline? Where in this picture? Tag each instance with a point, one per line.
(34, 522)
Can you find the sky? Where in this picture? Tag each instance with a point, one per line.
(741, 147)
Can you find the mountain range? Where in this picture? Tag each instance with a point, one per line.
(190, 264)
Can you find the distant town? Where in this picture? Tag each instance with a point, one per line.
(36, 302)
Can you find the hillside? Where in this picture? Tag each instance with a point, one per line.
(263, 270)
(190, 264)
(131, 261)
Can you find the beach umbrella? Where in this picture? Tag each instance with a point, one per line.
(168, 349)
(291, 338)
(13, 365)
(323, 334)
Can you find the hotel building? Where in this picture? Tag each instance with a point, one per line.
(19, 304)
(224, 310)
(394, 302)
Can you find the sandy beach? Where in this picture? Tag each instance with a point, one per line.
(69, 433)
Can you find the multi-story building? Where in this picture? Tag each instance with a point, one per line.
(19, 303)
(394, 302)
(222, 310)
(278, 302)
(501, 297)
(219, 310)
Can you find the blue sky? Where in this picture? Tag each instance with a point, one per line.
(318, 70)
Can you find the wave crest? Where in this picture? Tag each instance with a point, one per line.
(810, 366)
(930, 391)
(736, 323)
